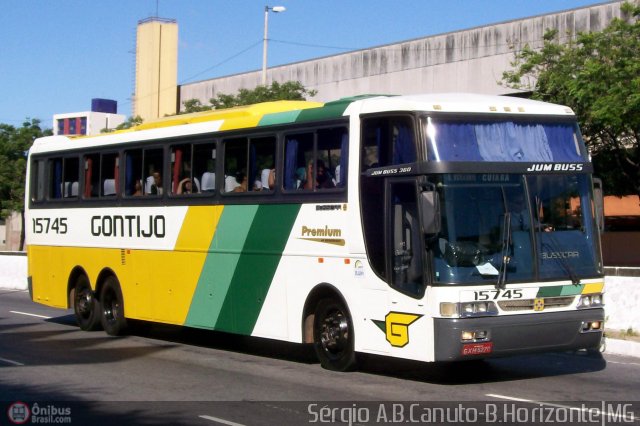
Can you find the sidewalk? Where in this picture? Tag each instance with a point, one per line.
(622, 347)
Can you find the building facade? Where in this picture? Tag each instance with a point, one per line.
(470, 60)
(156, 68)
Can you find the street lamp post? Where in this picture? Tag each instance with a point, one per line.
(275, 9)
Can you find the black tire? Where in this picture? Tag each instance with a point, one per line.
(113, 319)
(333, 336)
(86, 305)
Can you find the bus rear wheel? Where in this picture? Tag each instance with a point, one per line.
(113, 319)
(86, 306)
(333, 336)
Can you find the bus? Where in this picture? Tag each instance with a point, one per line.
(438, 227)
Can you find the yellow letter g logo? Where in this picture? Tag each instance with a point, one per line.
(397, 327)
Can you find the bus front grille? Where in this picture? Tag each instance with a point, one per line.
(528, 304)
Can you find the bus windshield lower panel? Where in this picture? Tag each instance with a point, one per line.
(509, 228)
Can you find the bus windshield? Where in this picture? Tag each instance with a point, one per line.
(507, 228)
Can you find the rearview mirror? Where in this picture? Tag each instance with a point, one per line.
(430, 212)
(598, 200)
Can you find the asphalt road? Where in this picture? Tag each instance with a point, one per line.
(172, 375)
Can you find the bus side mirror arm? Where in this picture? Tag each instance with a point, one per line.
(598, 200)
(430, 212)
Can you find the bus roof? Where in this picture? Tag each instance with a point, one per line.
(286, 112)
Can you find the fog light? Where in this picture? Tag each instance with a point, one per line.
(595, 325)
(482, 307)
(481, 335)
(467, 336)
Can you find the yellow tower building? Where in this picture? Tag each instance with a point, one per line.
(156, 93)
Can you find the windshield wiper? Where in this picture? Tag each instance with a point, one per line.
(506, 243)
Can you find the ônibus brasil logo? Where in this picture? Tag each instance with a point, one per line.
(19, 413)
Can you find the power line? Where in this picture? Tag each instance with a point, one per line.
(221, 62)
(315, 45)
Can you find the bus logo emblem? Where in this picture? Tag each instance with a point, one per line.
(396, 327)
(538, 304)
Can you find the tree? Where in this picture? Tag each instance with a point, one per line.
(290, 90)
(14, 145)
(128, 123)
(598, 76)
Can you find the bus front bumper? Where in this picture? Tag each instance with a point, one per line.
(517, 334)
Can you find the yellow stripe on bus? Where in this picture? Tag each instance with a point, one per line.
(593, 288)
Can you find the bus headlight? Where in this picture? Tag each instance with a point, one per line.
(468, 309)
(478, 309)
(591, 301)
(448, 309)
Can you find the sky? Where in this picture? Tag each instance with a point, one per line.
(55, 56)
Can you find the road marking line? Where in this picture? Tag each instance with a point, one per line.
(218, 420)
(8, 361)
(28, 314)
(602, 413)
(623, 363)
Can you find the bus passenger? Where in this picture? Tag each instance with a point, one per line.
(137, 188)
(243, 182)
(323, 180)
(156, 187)
(185, 187)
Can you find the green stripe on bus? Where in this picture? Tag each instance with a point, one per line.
(220, 265)
(279, 118)
(328, 111)
(560, 290)
(254, 273)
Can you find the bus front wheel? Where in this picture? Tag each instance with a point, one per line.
(333, 336)
(113, 320)
(86, 306)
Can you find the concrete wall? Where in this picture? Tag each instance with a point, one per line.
(470, 60)
(13, 229)
(13, 271)
(622, 292)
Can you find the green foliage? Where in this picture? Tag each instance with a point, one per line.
(598, 76)
(14, 145)
(194, 105)
(129, 123)
(291, 90)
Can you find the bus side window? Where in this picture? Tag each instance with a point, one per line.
(262, 153)
(235, 165)
(38, 180)
(64, 173)
(154, 169)
(183, 180)
(109, 174)
(133, 176)
(298, 154)
(332, 150)
(204, 166)
(387, 141)
(91, 175)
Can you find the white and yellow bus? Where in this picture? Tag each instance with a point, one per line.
(435, 227)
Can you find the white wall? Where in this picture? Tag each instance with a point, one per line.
(13, 271)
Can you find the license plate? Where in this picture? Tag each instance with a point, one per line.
(477, 348)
